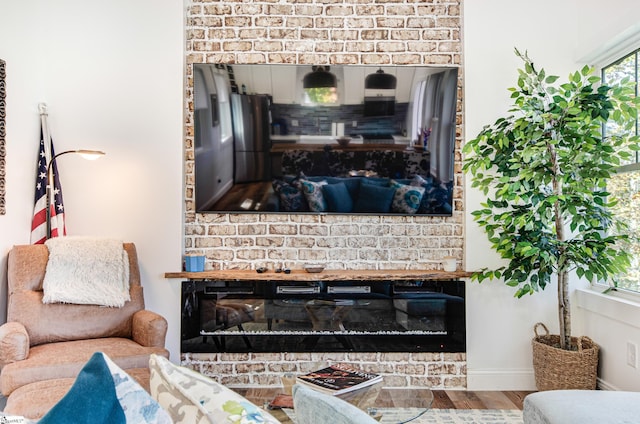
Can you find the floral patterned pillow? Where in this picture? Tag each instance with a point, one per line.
(313, 192)
(291, 197)
(192, 398)
(407, 198)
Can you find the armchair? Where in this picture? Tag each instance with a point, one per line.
(51, 342)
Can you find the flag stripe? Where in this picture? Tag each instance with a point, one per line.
(39, 220)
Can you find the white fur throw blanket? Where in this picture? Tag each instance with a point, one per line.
(86, 271)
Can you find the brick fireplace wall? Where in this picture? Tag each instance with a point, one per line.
(398, 32)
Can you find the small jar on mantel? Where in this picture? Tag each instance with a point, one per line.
(449, 263)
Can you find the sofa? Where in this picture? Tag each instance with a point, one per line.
(43, 346)
(581, 407)
(386, 182)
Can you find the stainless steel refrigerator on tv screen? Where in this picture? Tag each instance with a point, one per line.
(251, 129)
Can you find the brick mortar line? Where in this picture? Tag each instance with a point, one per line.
(423, 24)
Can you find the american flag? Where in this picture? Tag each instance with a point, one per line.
(39, 222)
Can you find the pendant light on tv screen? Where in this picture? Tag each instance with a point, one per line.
(380, 81)
(319, 77)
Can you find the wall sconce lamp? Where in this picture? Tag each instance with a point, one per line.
(86, 154)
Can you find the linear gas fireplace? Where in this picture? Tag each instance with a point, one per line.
(323, 315)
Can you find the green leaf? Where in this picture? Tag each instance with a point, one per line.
(548, 160)
(551, 79)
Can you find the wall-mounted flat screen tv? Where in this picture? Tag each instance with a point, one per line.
(314, 139)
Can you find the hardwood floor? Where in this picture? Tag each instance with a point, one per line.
(443, 399)
(462, 399)
(245, 197)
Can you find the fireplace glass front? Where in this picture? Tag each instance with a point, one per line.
(319, 316)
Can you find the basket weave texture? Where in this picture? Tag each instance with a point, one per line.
(559, 369)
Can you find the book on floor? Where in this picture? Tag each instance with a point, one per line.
(336, 380)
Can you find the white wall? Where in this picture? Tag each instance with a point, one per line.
(499, 327)
(112, 76)
(611, 321)
(558, 37)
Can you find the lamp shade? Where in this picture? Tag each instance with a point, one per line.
(320, 77)
(380, 81)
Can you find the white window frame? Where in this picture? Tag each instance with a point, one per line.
(610, 54)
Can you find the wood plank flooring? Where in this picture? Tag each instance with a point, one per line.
(245, 197)
(443, 399)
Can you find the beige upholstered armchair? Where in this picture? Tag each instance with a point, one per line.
(43, 345)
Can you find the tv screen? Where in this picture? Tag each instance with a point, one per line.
(303, 139)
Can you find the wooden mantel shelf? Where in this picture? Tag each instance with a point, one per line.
(326, 275)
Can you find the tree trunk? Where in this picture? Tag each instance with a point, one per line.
(564, 309)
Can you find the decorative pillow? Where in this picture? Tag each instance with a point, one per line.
(382, 182)
(352, 184)
(192, 398)
(373, 198)
(313, 407)
(406, 198)
(337, 197)
(436, 198)
(88, 271)
(313, 193)
(290, 195)
(104, 393)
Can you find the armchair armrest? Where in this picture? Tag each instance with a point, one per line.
(149, 329)
(14, 343)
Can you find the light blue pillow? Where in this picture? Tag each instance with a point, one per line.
(313, 407)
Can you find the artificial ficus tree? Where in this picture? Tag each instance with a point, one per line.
(544, 169)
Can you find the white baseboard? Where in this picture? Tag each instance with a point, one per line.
(603, 385)
(493, 379)
(512, 380)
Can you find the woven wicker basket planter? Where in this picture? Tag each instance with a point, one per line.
(558, 369)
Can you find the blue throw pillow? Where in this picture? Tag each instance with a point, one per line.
(383, 182)
(352, 183)
(374, 199)
(337, 197)
(313, 407)
(104, 393)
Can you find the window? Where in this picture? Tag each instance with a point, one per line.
(320, 96)
(625, 185)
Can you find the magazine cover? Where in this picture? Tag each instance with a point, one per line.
(337, 380)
